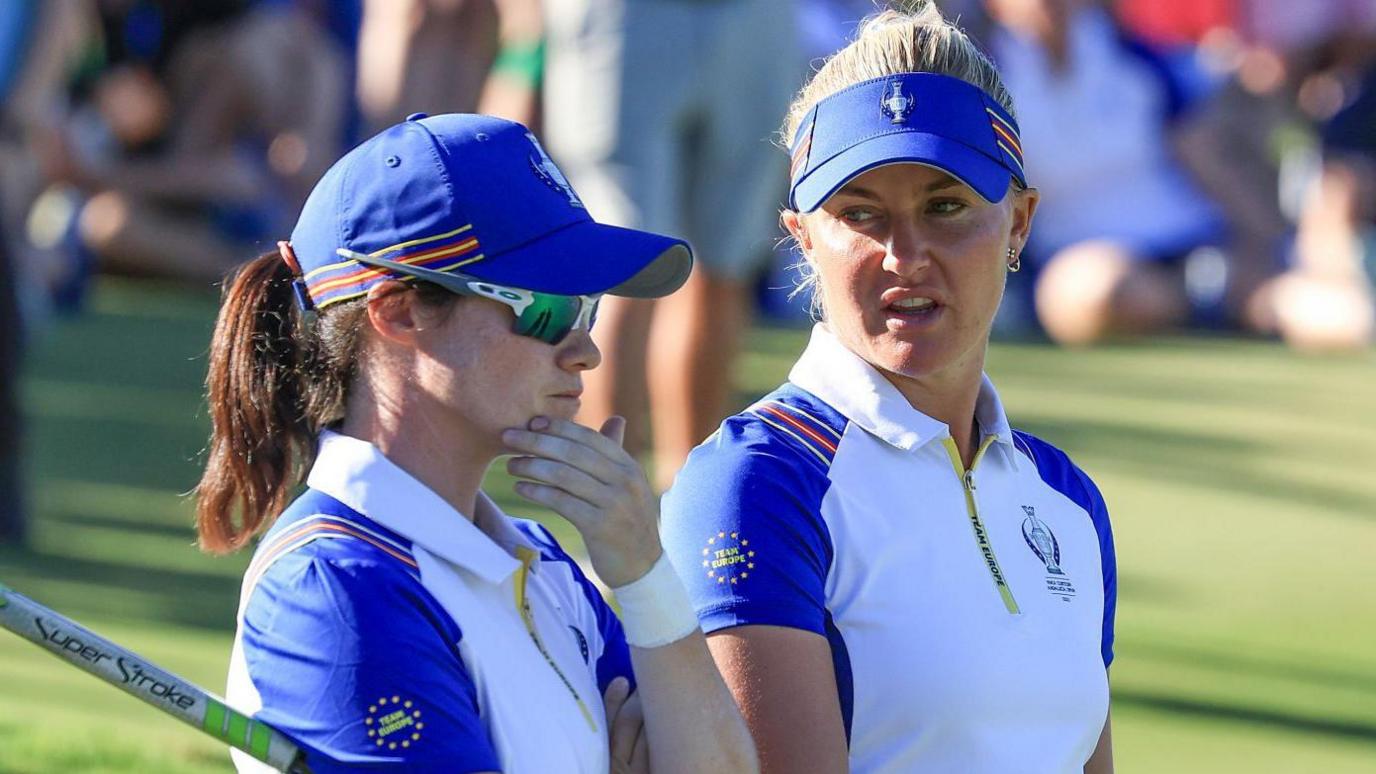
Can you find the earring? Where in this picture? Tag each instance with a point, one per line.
(1014, 260)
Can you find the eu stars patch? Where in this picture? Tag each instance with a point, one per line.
(728, 558)
(394, 722)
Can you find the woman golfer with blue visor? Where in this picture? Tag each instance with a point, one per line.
(430, 314)
(891, 577)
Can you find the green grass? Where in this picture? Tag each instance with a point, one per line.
(1241, 478)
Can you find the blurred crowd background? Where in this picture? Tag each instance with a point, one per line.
(1205, 165)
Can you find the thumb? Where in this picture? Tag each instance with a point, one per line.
(615, 429)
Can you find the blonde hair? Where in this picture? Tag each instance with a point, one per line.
(920, 40)
(891, 42)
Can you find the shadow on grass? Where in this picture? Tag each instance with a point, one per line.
(1180, 706)
(108, 521)
(51, 752)
(1156, 589)
(1201, 459)
(105, 587)
(1256, 666)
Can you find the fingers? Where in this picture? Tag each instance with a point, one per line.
(640, 757)
(559, 475)
(588, 479)
(579, 435)
(577, 510)
(618, 690)
(591, 460)
(626, 729)
(615, 429)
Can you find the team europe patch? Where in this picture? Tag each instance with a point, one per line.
(1042, 541)
(394, 722)
(728, 558)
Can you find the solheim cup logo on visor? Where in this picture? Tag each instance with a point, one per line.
(546, 170)
(896, 103)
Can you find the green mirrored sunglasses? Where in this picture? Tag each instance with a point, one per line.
(548, 317)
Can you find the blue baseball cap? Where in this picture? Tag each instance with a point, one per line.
(919, 118)
(475, 194)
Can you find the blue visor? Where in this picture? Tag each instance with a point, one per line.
(917, 118)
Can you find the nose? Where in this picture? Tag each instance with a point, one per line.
(908, 253)
(578, 352)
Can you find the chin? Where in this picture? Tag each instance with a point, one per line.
(917, 364)
(912, 359)
(562, 408)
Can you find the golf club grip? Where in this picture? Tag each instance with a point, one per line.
(194, 706)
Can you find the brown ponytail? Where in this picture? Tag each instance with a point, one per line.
(275, 379)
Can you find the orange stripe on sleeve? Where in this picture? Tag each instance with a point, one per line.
(808, 431)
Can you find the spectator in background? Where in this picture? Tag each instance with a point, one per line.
(1278, 150)
(1119, 216)
(1176, 22)
(12, 508)
(459, 56)
(16, 29)
(38, 44)
(34, 40)
(205, 126)
(661, 112)
(1237, 144)
(1324, 299)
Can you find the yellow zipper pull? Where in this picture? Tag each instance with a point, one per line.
(527, 557)
(986, 548)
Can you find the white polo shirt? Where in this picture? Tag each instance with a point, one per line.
(381, 629)
(970, 615)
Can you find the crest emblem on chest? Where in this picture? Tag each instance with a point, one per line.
(1039, 537)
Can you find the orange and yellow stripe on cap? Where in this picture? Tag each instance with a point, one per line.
(344, 280)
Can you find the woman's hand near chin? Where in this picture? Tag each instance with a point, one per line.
(586, 477)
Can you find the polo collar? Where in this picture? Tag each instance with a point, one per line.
(855, 388)
(356, 473)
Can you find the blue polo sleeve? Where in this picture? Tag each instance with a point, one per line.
(358, 663)
(743, 527)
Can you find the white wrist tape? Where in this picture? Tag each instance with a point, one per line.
(655, 610)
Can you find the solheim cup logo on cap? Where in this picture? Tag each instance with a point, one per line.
(1042, 541)
(547, 171)
(728, 558)
(896, 103)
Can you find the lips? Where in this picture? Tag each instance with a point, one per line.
(913, 305)
(912, 302)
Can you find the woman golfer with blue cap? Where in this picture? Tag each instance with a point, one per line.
(429, 314)
(892, 578)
